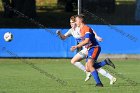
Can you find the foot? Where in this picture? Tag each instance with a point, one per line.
(113, 80)
(99, 85)
(109, 62)
(88, 75)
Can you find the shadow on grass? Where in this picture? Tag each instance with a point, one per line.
(118, 85)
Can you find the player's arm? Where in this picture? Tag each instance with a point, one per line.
(83, 43)
(80, 44)
(97, 37)
(63, 37)
(67, 34)
(86, 40)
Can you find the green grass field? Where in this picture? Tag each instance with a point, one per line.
(16, 76)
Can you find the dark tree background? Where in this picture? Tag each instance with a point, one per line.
(137, 14)
(27, 7)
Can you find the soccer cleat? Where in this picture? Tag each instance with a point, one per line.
(99, 85)
(113, 80)
(88, 75)
(109, 62)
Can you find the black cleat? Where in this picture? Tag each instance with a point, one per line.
(99, 85)
(109, 62)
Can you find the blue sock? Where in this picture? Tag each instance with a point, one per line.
(99, 64)
(96, 77)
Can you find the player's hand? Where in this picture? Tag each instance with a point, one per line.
(73, 48)
(99, 39)
(58, 32)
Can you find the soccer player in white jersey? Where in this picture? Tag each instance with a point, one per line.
(75, 32)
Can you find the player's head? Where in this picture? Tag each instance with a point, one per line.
(72, 22)
(80, 19)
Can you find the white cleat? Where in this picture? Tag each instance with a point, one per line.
(88, 75)
(113, 80)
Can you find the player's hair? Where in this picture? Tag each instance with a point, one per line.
(72, 18)
(81, 16)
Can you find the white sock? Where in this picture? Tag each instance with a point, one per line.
(80, 66)
(104, 73)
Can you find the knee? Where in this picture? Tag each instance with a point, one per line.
(87, 69)
(73, 61)
(91, 68)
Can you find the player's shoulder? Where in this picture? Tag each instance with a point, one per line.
(70, 30)
(87, 28)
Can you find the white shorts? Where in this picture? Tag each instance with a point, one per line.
(83, 53)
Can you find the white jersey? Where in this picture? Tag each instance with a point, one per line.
(75, 33)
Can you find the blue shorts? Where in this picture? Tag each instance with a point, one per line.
(93, 53)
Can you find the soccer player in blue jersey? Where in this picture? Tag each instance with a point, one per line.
(89, 42)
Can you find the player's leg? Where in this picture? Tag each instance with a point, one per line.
(76, 61)
(93, 54)
(107, 61)
(88, 74)
(103, 63)
(108, 75)
(94, 72)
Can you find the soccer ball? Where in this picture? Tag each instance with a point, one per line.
(8, 36)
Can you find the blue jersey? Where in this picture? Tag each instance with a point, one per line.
(87, 32)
